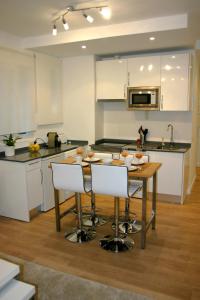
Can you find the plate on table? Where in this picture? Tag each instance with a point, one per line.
(132, 168)
(92, 159)
(138, 162)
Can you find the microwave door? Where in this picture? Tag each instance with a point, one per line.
(141, 99)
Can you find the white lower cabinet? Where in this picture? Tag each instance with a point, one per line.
(48, 189)
(172, 176)
(21, 188)
(25, 186)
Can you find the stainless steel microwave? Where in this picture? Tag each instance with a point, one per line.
(143, 98)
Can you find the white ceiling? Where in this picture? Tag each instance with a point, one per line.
(32, 19)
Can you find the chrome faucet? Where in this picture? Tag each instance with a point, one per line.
(172, 133)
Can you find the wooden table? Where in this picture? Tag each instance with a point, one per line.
(144, 172)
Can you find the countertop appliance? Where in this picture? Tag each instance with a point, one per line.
(143, 98)
(53, 140)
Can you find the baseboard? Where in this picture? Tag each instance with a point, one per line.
(189, 189)
(168, 198)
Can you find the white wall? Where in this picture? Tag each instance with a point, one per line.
(121, 123)
(79, 98)
(195, 125)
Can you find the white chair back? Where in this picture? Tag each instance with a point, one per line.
(110, 180)
(102, 155)
(68, 177)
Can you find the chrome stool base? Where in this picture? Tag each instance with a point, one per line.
(80, 236)
(132, 226)
(99, 221)
(116, 245)
(88, 222)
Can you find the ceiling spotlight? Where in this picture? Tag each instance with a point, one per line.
(152, 38)
(65, 24)
(105, 12)
(54, 32)
(83, 47)
(88, 18)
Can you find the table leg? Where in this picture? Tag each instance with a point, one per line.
(57, 209)
(144, 214)
(79, 210)
(154, 200)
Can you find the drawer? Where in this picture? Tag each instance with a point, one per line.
(36, 164)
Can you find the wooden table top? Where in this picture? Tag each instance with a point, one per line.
(146, 170)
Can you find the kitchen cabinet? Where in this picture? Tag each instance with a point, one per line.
(172, 176)
(144, 71)
(21, 188)
(48, 189)
(175, 82)
(34, 182)
(111, 79)
(49, 89)
(17, 92)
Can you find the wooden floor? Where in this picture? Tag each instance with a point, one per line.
(170, 264)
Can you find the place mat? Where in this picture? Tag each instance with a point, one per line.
(69, 160)
(117, 162)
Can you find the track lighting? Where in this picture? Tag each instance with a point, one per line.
(88, 18)
(103, 10)
(65, 24)
(54, 32)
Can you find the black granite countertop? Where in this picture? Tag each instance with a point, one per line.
(117, 145)
(24, 155)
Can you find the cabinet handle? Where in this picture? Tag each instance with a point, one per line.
(161, 104)
(33, 163)
(128, 78)
(124, 91)
(41, 176)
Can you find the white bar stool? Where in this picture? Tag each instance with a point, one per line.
(128, 224)
(113, 180)
(70, 177)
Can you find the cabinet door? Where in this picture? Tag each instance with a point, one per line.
(34, 185)
(144, 71)
(111, 79)
(170, 174)
(49, 94)
(48, 189)
(175, 82)
(17, 92)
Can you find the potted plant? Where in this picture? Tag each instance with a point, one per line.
(10, 141)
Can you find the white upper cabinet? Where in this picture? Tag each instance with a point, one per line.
(175, 71)
(111, 79)
(144, 71)
(49, 89)
(17, 92)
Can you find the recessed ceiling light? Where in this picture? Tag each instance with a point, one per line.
(105, 12)
(152, 38)
(167, 67)
(173, 56)
(83, 46)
